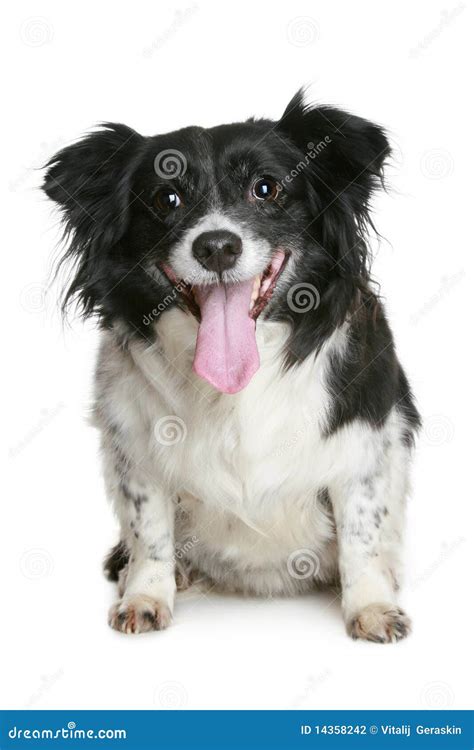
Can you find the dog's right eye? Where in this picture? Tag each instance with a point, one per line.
(167, 200)
(265, 189)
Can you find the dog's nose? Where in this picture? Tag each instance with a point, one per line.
(218, 250)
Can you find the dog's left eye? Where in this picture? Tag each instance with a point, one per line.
(167, 199)
(264, 189)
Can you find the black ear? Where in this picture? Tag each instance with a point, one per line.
(345, 153)
(91, 182)
(341, 163)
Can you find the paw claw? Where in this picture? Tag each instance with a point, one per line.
(380, 623)
(139, 614)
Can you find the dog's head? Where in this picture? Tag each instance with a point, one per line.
(234, 224)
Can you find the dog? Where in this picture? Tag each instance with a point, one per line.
(256, 425)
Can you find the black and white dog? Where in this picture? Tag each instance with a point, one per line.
(256, 423)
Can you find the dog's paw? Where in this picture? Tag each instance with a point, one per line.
(139, 614)
(380, 623)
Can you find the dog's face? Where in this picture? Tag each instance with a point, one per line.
(211, 208)
(222, 222)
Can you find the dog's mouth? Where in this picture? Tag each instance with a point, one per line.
(226, 352)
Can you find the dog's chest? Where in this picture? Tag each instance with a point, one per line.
(255, 449)
(248, 468)
(248, 472)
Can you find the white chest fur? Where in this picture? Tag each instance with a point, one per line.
(248, 468)
(239, 450)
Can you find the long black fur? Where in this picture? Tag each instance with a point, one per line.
(105, 185)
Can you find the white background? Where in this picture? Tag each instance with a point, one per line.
(157, 67)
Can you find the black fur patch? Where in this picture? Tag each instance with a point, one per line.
(115, 561)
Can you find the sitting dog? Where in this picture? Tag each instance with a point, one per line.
(256, 425)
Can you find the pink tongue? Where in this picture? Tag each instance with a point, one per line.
(226, 350)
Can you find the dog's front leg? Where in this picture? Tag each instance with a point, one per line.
(369, 512)
(148, 582)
